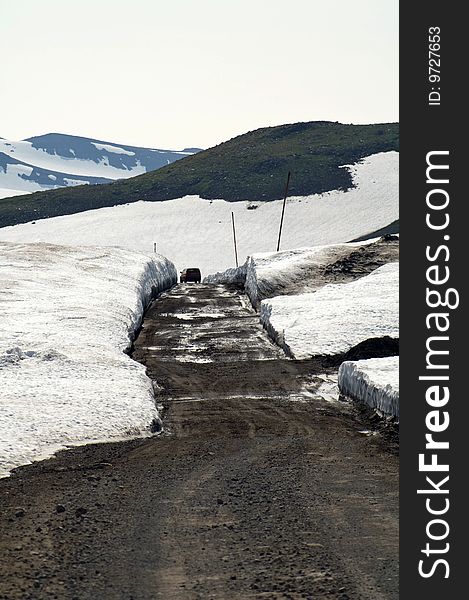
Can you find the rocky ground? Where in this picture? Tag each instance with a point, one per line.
(256, 487)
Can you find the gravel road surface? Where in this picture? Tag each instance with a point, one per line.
(257, 487)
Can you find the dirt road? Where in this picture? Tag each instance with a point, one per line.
(256, 488)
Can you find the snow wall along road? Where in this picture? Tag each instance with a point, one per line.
(68, 316)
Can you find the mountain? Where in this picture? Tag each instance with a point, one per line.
(252, 166)
(193, 232)
(57, 160)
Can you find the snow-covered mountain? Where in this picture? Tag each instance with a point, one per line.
(58, 160)
(191, 231)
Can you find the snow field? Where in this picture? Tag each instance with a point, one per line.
(12, 177)
(193, 232)
(337, 317)
(374, 381)
(68, 315)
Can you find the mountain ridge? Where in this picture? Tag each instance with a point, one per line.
(41, 159)
(52, 134)
(252, 166)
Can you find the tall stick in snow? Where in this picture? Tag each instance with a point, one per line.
(234, 237)
(283, 211)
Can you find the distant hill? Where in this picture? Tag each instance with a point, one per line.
(252, 166)
(58, 160)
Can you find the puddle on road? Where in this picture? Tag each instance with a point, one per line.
(195, 315)
(266, 396)
(190, 359)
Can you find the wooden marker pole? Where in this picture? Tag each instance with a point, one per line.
(234, 237)
(283, 211)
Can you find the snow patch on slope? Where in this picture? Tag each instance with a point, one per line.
(374, 382)
(14, 176)
(6, 192)
(68, 315)
(114, 149)
(80, 159)
(25, 152)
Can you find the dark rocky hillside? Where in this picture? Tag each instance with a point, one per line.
(252, 166)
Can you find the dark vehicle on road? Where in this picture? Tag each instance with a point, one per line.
(190, 275)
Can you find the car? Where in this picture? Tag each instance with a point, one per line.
(190, 275)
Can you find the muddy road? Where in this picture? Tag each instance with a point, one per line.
(257, 487)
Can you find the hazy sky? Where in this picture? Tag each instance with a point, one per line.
(178, 73)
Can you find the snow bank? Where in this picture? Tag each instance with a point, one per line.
(193, 232)
(68, 314)
(234, 276)
(278, 273)
(272, 274)
(374, 382)
(337, 317)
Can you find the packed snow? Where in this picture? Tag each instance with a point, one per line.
(374, 381)
(337, 317)
(194, 232)
(277, 273)
(68, 315)
(233, 276)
